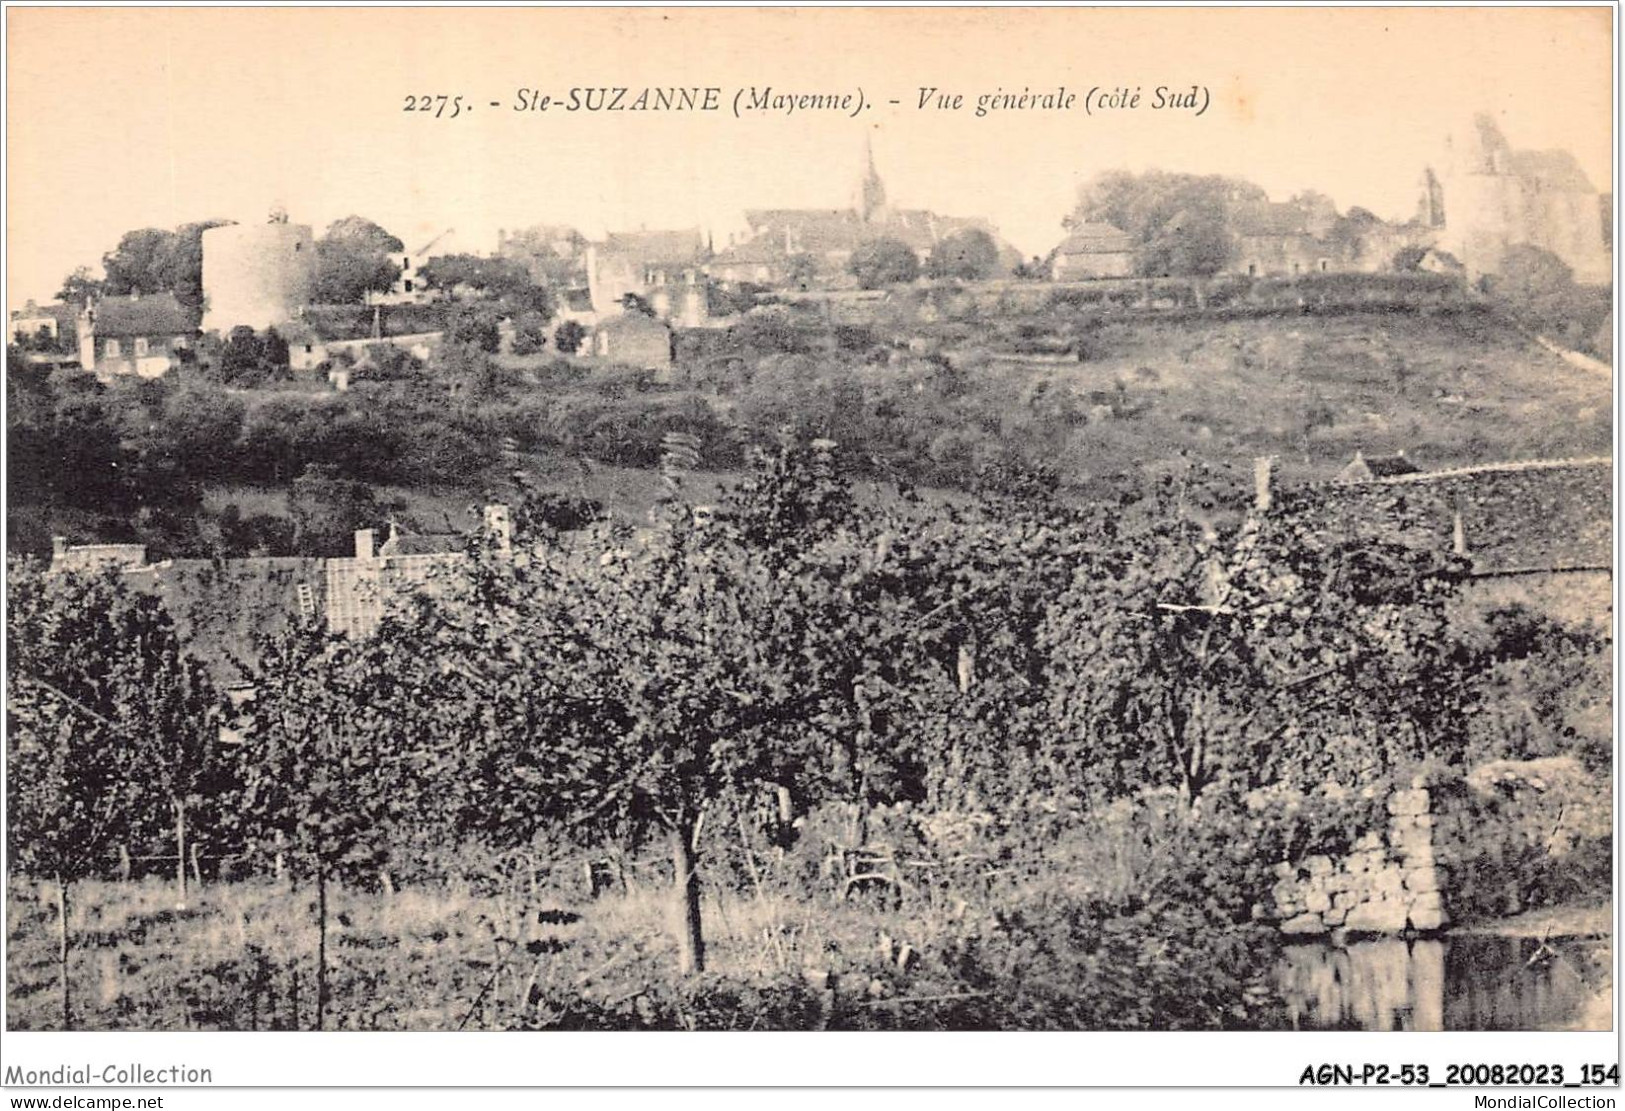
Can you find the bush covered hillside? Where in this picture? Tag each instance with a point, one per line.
(927, 389)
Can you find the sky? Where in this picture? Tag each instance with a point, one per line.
(127, 118)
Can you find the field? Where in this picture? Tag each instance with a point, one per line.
(241, 955)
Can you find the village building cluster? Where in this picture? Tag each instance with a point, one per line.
(631, 290)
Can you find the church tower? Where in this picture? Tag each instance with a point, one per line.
(870, 199)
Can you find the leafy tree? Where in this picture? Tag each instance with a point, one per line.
(568, 337)
(274, 352)
(138, 262)
(477, 326)
(201, 426)
(327, 509)
(1179, 222)
(79, 287)
(154, 260)
(503, 280)
(529, 333)
(243, 354)
(882, 262)
(1530, 277)
(969, 255)
(355, 257)
(666, 690)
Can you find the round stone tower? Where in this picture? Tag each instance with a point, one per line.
(260, 275)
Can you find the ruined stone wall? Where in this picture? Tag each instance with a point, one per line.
(1508, 835)
(1389, 880)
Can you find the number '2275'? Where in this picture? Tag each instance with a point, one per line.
(443, 106)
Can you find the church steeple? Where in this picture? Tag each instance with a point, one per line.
(871, 194)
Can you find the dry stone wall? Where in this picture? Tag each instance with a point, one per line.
(1390, 881)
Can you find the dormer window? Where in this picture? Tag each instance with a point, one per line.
(112, 350)
(140, 346)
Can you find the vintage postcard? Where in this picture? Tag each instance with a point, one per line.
(928, 520)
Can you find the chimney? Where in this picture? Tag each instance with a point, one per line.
(59, 548)
(1458, 535)
(1263, 467)
(499, 527)
(363, 543)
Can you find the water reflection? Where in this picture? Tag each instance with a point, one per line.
(1455, 983)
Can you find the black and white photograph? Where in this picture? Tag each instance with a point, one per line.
(810, 520)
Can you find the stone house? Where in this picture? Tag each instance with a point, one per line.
(1093, 251)
(138, 334)
(665, 268)
(54, 319)
(1276, 239)
(760, 261)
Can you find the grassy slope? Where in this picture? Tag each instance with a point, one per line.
(1448, 391)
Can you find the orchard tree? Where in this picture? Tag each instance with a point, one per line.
(616, 692)
(1282, 653)
(107, 720)
(329, 774)
(882, 262)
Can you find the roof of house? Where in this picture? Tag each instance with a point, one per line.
(814, 230)
(1264, 218)
(156, 314)
(1096, 239)
(222, 607)
(676, 248)
(56, 310)
(762, 249)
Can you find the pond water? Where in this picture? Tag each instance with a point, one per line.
(1465, 982)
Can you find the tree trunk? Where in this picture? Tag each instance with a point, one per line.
(690, 941)
(321, 945)
(62, 949)
(180, 855)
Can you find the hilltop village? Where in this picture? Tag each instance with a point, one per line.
(357, 332)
